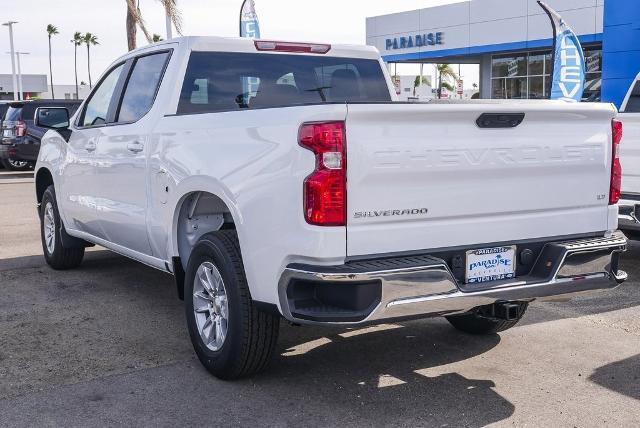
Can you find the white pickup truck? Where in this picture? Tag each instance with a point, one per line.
(630, 160)
(279, 179)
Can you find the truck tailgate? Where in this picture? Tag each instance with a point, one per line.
(426, 176)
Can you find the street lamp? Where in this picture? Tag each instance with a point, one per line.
(20, 87)
(13, 62)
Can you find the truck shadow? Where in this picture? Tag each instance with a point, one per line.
(621, 376)
(113, 316)
(390, 373)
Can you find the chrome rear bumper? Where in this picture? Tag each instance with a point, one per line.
(425, 286)
(629, 213)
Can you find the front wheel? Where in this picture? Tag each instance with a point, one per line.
(55, 253)
(231, 337)
(483, 320)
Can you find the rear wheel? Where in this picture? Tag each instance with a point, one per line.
(16, 165)
(231, 337)
(483, 319)
(55, 253)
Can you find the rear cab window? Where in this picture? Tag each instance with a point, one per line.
(14, 113)
(225, 81)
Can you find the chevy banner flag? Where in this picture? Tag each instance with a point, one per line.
(568, 60)
(249, 20)
(250, 28)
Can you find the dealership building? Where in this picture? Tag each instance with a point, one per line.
(511, 42)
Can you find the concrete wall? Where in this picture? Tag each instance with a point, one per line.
(620, 48)
(480, 26)
(67, 92)
(30, 83)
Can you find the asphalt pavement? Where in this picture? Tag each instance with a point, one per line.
(106, 344)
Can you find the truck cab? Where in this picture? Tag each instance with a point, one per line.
(629, 204)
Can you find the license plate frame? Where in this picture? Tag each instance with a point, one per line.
(484, 265)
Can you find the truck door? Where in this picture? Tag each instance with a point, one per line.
(121, 157)
(77, 193)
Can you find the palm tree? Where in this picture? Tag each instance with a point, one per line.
(51, 31)
(89, 39)
(445, 73)
(448, 86)
(134, 20)
(77, 41)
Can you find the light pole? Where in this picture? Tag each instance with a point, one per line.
(20, 87)
(168, 26)
(13, 60)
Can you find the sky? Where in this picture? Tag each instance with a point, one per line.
(332, 21)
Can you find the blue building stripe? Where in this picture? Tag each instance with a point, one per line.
(494, 48)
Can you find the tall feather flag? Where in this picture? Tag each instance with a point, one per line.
(250, 28)
(568, 64)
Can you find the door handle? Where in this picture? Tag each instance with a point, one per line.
(135, 147)
(90, 146)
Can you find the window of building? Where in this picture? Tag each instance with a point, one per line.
(593, 79)
(527, 75)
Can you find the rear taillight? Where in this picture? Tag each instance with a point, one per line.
(21, 129)
(616, 168)
(325, 189)
(268, 45)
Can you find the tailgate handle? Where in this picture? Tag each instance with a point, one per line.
(500, 120)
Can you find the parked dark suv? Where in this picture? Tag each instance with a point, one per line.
(20, 138)
(4, 105)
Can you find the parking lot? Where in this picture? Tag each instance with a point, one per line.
(107, 344)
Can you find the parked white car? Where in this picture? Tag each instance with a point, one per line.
(630, 159)
(281, 180)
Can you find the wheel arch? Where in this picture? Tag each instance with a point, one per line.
(43, 179)
(198, 211)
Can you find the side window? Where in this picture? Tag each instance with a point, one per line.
(142, 87)
(95, 113)
(633, 105)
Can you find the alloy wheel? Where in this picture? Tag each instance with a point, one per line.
(210, 306)
(49, 225)
(17, 164)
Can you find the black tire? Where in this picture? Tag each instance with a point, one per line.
(11, 165)
(60, 258)
(252, 335)
(478, 321)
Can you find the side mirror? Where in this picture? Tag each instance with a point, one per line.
(52, 117)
